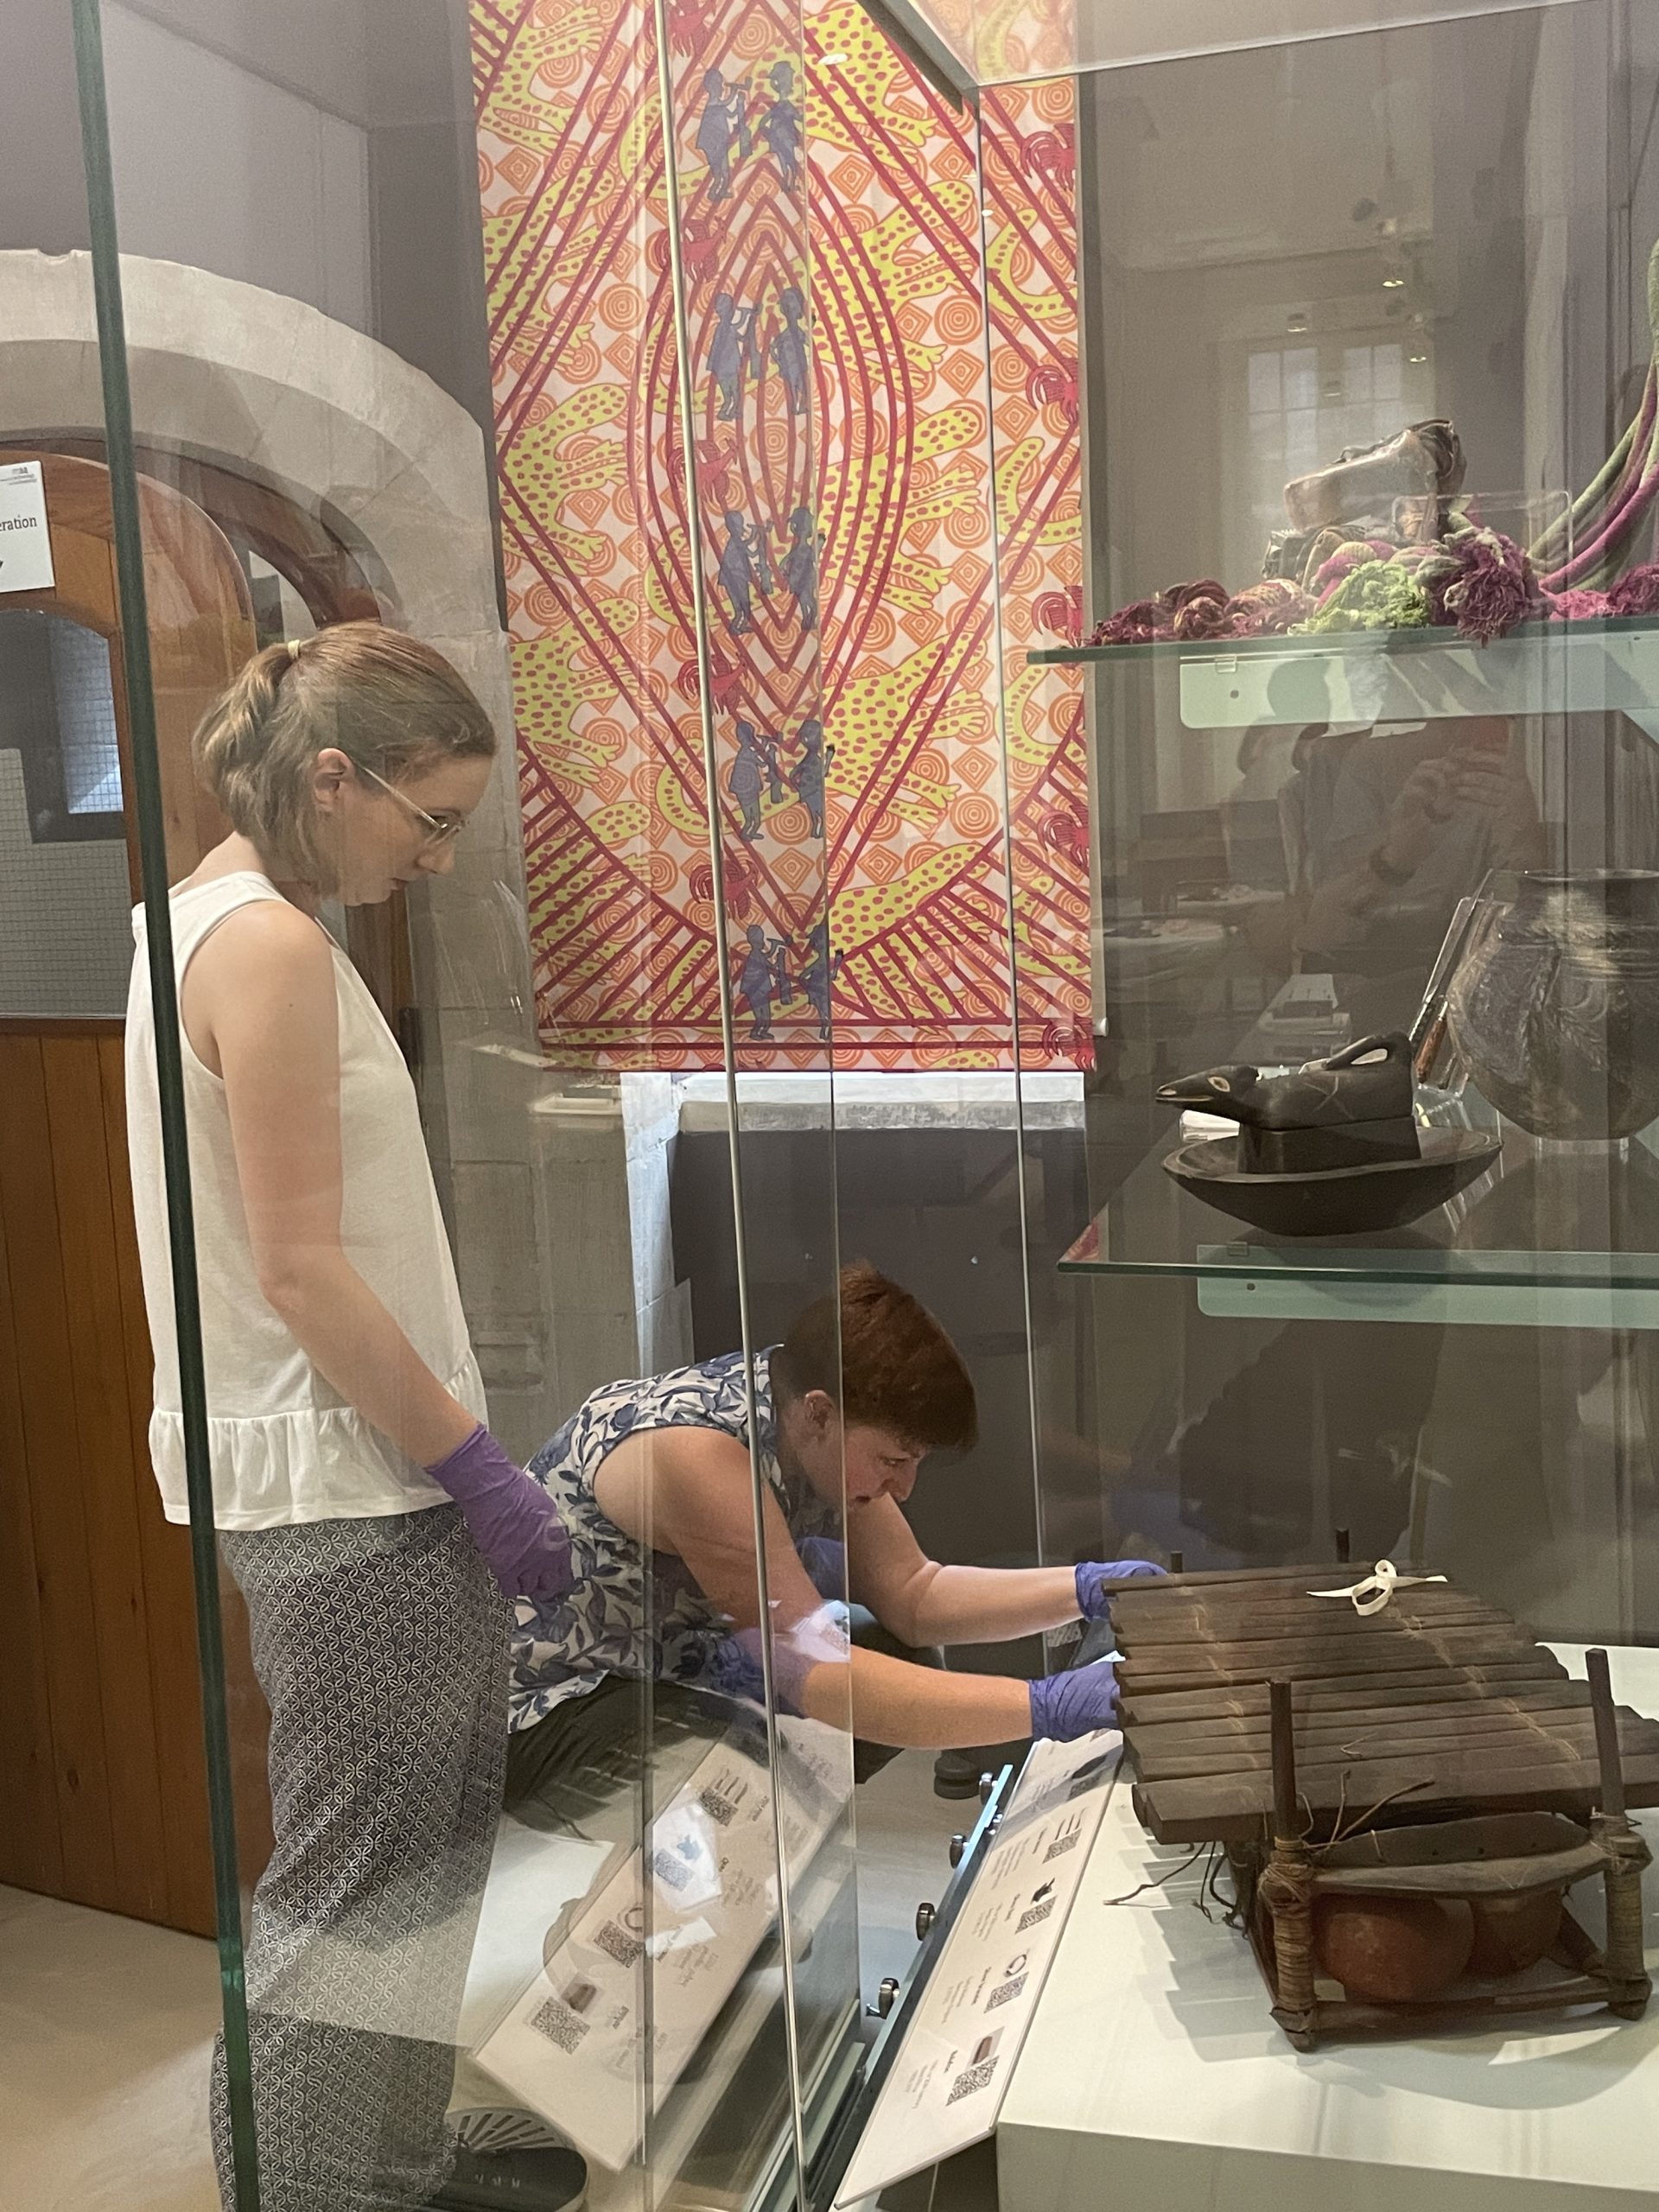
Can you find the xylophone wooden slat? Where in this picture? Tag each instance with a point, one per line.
(1537, 1670)
(1440, 1699)
(1342, 1723)
(1232, 1807)
(1499, 1737)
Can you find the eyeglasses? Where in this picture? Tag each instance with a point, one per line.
(441, 829)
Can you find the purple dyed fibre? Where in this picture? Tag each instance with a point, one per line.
(1637, 593)
(1137, 624)
(1482, 581)
(1200, 609)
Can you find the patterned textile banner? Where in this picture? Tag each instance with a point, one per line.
(850, 590)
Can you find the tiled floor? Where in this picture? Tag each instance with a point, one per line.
(105, 2024)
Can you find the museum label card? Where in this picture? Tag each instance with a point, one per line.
(25, 541)
(951, 2073)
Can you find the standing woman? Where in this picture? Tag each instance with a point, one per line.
(373, 1524)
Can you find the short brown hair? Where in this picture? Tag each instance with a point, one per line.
(884, 1359)
(386, 700)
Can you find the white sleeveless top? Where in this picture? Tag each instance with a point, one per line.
(285, 1447)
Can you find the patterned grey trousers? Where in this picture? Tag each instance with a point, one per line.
(381, 1646)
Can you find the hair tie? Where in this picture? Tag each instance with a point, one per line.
(293, 645)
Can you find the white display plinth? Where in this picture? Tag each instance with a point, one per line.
(1152, 2076)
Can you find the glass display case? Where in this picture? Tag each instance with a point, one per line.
(291, 377)
(1360, 665)
(1015, 646)
(1329, 805)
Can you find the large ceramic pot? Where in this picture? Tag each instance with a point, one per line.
(1555, 1008)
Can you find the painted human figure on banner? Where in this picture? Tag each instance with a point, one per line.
(731, 350)
(789, 347)
(782, 125)
(801, 566)
(747, 776)
(819, 975)
(807, 775)
(764, 975)
(745, 567)
(725, 123)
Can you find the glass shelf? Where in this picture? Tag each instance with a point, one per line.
(1371, 676)
(1342, 643)
(971, 44)
(1574, 1229)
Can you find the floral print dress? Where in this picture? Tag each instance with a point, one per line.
(631, 1611)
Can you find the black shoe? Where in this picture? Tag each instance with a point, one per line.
(958, 1774)
(955, 1774)
(550, 2180)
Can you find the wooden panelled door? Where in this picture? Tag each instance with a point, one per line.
(102, 1784)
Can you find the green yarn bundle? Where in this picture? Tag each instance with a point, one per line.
(1376, 596)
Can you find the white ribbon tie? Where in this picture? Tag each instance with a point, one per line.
(1374, 1593)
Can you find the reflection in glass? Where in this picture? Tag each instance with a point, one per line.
(1286, 831)
(65, 888)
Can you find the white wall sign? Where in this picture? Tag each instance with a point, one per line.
(25, 541)
(950, 2072)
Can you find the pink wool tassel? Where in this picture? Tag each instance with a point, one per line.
(1576, 606)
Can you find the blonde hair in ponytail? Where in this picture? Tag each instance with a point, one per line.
(386, 700)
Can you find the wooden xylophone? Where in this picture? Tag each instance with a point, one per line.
(1434, 1747)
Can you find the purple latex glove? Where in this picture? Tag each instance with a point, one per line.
(818, 1639)
(1075, 1703)
(825, 1561)
(733, 1668)
(1097, 1578)
(513, 1521)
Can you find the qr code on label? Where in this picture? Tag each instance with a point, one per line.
(976, 2078)
(1035, 1915)
(720, 1809)
(614, 1939)
(670, 1870)
(1006, 1994)
(1061, 1844)
(560, 2024)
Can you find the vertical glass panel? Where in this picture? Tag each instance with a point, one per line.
(106, 1888)
(927, 1154)
(551, 1892)
(752, 377)
(1028, 170)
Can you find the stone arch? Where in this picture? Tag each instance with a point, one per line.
(247, 380)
